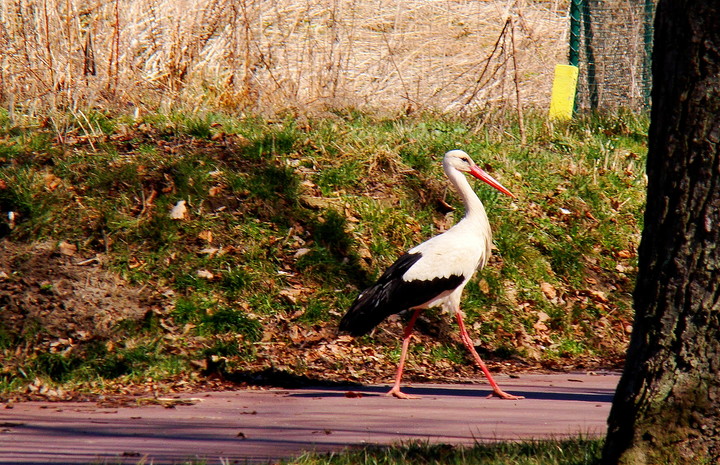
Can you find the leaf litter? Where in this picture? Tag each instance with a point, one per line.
(63, 301)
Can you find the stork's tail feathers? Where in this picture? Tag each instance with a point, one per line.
(392, 294)
(365, 313)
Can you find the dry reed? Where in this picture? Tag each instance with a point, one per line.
(269, 56)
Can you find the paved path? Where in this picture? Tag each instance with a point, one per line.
(259, 425)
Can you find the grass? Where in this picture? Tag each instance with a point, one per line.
(286, 221)
(579, 451)
(573, 451)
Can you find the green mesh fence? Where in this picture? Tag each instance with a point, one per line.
(611, 43)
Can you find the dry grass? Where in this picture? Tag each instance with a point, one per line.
(267, 56)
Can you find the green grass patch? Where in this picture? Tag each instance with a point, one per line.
(285, 221)
(578, 451)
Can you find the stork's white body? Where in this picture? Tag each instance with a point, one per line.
(435, 272)
(461, 250)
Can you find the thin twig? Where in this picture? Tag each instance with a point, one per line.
(521, 123)
(478, 82)
(397, 70)
(48, 48)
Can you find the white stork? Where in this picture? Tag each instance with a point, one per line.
(434, 273)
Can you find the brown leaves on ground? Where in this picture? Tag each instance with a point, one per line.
(75, 300)
(71, 299)
(76, 304)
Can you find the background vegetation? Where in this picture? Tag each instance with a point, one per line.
(280, 55)
(243, 240)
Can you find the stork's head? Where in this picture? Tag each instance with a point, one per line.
(461, 161)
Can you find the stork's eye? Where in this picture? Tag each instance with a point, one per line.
(466, 160)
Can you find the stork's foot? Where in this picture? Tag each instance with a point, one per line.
(504, 395)
(395, 392)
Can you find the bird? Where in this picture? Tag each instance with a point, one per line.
(433, 273)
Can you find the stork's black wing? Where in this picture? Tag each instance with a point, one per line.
(392, 294)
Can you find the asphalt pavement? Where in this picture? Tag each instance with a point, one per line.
(262, 425)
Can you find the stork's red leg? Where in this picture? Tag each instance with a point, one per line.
(395, 391)
(469, 345)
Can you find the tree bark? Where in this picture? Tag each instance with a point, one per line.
(667, 405)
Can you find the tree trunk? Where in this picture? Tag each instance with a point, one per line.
(667, 405)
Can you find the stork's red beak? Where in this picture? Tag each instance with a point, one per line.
(483, 176)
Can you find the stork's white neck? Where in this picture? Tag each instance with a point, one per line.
(474, 209)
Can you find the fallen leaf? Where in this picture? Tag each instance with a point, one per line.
(167, 402)
(205, 274)
(300, 253)
(540, 324)
(600, 296)
(291, 295)
(67, 249)
(209, 251)
(548, 290)
(179, 211)
(295, 335)
(52, 182)
(364, 253)
(484, 285)
(134, 263)
(206, 236)
(624, 254)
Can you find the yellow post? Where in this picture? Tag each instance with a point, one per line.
(563, 92)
